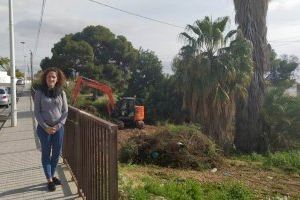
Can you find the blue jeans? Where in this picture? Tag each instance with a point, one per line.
(50, 142)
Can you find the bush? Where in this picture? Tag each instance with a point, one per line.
(101, 106)
(177, 190)
(288, 161)
(172, 146)
(281, 115)
(180, 189)
(228, 190)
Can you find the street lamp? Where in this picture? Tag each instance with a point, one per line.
(23, 43)
(13, 67)
(31, 66)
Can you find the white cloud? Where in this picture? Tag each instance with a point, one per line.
(3, 8)
(69, 16)
(283, 5)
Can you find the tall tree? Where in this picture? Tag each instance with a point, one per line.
(280, 110)
(69, 54)
(251, 18)
(96, 53)
(4, 63)
(147, 82)
(212, 69)
(146, 74)
(107, 47)
(19, 74)
(281, 70)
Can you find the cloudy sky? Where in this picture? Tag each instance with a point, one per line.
(70, 16)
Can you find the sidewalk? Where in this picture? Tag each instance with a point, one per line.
(21, 172)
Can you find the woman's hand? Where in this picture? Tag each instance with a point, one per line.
(51, 130)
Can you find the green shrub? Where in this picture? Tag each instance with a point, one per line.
(128, 152)
(101, 107)
(179, 189)
(175, 190)
(288, 161)
(282, 120)
(250, 157)
(227, 190)
(127, 191)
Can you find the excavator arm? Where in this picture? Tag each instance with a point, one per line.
(82, 81)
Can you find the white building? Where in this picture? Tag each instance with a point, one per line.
(4, 78)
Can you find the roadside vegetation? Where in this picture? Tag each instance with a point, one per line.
(234, 182)
(221, 126)
(181, 189)
(288, 161)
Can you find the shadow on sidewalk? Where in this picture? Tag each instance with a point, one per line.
(38, 187)
(24, 114)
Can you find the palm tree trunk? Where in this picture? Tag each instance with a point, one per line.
(251, 18)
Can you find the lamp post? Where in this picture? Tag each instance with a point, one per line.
(24, 64)
(31, 66)
(13, 67)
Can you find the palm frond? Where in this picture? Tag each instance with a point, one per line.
(229, 35)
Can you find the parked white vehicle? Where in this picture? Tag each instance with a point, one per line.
(5, 98)
(20, 82)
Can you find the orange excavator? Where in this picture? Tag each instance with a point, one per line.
(127, 111)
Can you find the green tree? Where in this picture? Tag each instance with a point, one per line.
(212, 69)
(280, 73)
(99, 38)
(146, 74)
(163, 103)
(251, 18)
(96, 53)
(69, 54)
(107, 47)
(282, 121)
(148, 83)
(280, 110)
(19, 74)
(46, 63)
(4, 63)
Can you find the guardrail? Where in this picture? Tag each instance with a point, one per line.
(90, 150)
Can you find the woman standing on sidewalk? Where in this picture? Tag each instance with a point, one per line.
(51, 110)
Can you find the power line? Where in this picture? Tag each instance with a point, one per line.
(136, 15)
(39, 28)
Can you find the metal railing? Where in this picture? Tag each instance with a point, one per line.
(90, 152)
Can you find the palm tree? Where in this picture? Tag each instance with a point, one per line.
(211, 69)
(251, 18)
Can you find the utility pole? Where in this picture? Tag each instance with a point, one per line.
(24, 61)
(13, 67)
(31, 67)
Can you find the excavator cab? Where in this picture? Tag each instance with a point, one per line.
(129, 112)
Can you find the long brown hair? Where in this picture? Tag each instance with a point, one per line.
(60, 77)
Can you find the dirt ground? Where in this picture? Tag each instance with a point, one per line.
(265, 182)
